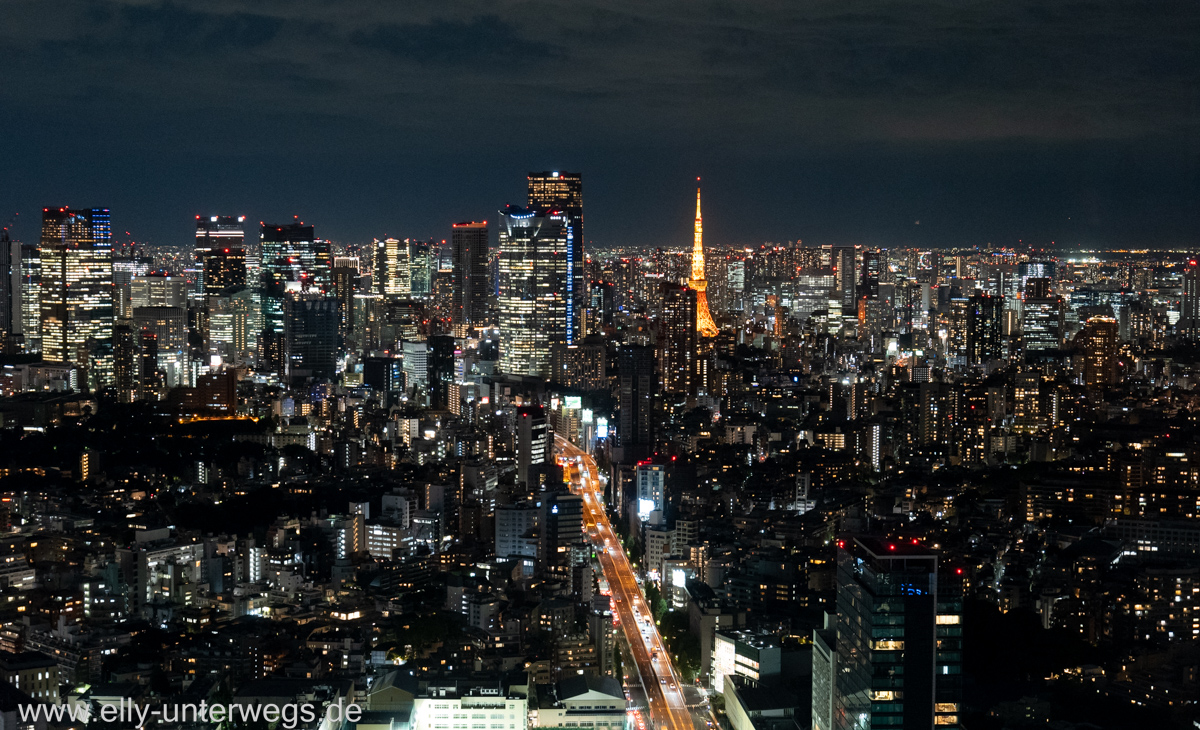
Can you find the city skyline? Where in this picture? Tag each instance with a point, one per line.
(342, 411)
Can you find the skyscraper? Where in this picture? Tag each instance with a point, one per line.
(288, 264)
(533, 299)
(469, 244)
(844, 269)
(30, 293)
(125, 268)
(310, 337)
(126, 373)
(564, 191)
(223, 268)
(872, 269)
(77, 285)
(392, 268)
(221, 233)
(534, 443)
(10, 283)
(705, 326)
(345, 284)
(677, 336)
(420, 267)
(1042, 324)
(898, 641)
(1189, 305)
(635, 399)
(169, 325)
(984, 313)
(1098, 342)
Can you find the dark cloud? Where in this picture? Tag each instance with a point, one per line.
(397, 90)
(485, 39)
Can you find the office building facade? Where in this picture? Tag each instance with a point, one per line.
(533, 277)
(469, 246)
(899, 638)
(563, 191)
(76, 290)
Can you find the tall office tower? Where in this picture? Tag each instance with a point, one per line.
(937, 418)
(985, 313)
(217, 233)
(125, 268)
(234, 323)
(414, 362)
(288, 264)
(440, 370)
(151, 380)
(898, 639)
(637, 384)
(169, 325)
(1042, 324)
(345, 284)
(535, 444)
(705, 326)
(564, 191)
(956, 331)
(272, 352)
(1189, 305)
(872, 272)
(322, 273)
(30, 293)
(126, 375)
(420, 259)
(602, 307)
(392, 268)
(844, 269)
(310, 337)
(469, 243)
(77, 286)
(224, 268)
(533, 298)
(10, 287)
(1098, 342)
(677, 339)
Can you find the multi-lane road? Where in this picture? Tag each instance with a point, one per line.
(664, 692)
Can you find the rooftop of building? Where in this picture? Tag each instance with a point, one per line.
(880, 547)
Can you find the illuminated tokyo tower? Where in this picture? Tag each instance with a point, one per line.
(705, 326)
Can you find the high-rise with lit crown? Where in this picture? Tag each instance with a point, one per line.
(705, 325)
(77, 283)
(564, 191)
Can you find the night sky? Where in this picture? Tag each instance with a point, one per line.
(832, 121)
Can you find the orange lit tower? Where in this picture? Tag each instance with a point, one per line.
(704, 321)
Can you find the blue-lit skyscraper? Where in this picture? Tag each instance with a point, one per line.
(77, 288)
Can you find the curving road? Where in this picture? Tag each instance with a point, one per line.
(663, 689)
